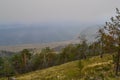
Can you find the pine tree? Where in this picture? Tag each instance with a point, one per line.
(111, 33)
(26, 55)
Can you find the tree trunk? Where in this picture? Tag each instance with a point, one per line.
(101, 56)
(117, 63)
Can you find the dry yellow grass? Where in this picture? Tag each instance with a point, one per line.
(94, 68)
(69, 71)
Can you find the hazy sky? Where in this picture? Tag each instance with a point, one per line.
(33, 11)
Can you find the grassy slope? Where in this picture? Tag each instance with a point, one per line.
(94, 69)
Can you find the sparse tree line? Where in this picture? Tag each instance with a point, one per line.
(108, 41)
(25, 61)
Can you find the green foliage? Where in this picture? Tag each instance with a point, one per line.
(46, 58)
(37, 61)
(25, 62)
(7, 68)
(1, 61)
(1, 65)
(92, 69)
(68, 53)
(110, 38)
(16, 61)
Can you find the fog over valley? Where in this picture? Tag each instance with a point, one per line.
(39, 33)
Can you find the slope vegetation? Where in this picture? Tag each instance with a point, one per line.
(93, 68)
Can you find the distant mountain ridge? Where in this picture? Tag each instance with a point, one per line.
(18, 38)
(27, 34)
(16, 34)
